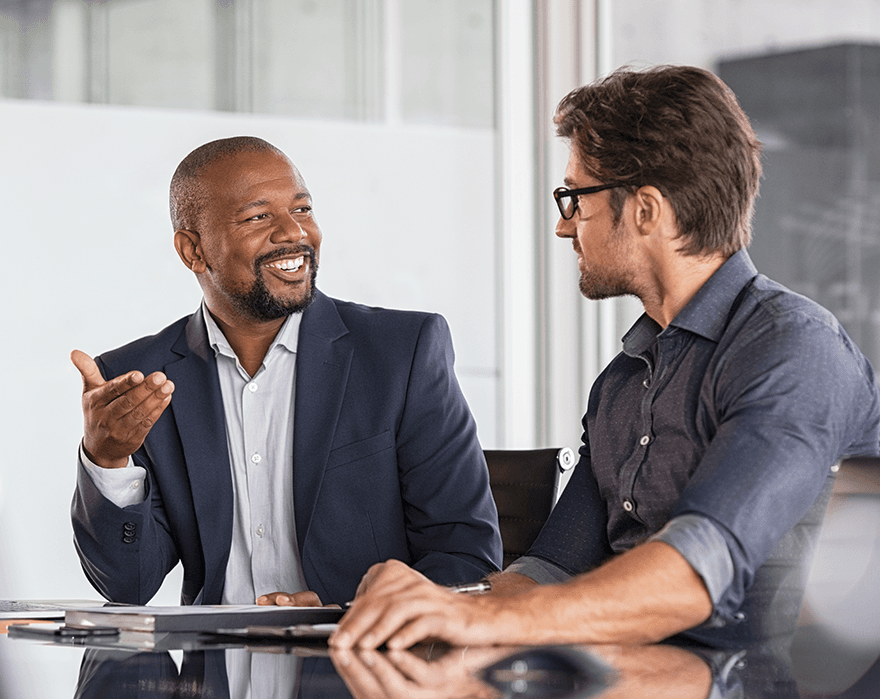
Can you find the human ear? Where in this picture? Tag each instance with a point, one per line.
(649, 207)
(189, 247)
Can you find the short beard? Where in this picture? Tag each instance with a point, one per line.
(259, 304)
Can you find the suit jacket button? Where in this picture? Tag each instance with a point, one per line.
(128, 539)
(129, 526)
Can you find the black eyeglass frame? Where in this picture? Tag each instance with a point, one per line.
(561, 193)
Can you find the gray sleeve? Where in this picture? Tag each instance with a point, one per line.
(702, 545)
(539, 570)
(693, 536)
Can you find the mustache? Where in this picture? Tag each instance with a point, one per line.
(285, 253)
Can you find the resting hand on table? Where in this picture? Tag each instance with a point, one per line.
(399, 606)
(291, 599)
(119, 413)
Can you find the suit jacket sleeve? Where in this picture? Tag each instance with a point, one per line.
(451, 520)
(125, 552)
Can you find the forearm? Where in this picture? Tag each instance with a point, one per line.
(645, 595)
(510, 583)
(642, 596)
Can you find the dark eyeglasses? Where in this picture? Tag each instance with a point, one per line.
(566, 199)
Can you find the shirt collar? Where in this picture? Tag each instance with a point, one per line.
(706, 313)
(287, 337)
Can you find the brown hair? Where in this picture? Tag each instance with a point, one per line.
(681, 130)
(187, 193)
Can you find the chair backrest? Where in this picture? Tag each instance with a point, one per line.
(525, 485)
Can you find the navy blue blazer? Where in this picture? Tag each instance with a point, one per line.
(386, 462)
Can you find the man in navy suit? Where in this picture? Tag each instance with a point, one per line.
(278, 442)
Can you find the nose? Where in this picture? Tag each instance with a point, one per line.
(565, 229)
(288, 230)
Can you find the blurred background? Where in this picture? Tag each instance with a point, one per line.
(423, 129)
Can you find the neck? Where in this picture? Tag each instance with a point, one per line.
(675, 282)
(250, 340)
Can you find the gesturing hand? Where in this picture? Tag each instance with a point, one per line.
(119, 413)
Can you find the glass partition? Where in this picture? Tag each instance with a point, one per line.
(808, 76)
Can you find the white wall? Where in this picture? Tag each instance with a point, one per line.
(88, 263)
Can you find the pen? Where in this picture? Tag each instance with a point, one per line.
(482, 586)
(466, 589)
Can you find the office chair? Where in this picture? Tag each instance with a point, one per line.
(525, 485)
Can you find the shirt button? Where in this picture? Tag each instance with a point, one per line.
(135, 485)
(627, 505)
(252, 387)
(256, 458)
(644, 440)
(261, 530)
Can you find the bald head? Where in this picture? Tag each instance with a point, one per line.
(188, 192)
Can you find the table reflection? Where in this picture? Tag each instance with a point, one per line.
(437, 672)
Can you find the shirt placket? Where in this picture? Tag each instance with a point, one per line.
(656, 369)
(257, 464)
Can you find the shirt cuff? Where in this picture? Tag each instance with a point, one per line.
(702, 545)
(121, 486)
(539, 570)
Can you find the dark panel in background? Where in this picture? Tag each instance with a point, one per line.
(817, 222)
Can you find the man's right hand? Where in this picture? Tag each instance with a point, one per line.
(118, 413)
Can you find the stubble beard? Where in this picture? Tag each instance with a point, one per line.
(602, 285)
(605, 283)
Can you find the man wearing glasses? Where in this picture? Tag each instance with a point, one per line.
(277, 440)
(708, 441)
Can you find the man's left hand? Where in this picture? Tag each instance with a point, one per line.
(399, 606)
(290, 599)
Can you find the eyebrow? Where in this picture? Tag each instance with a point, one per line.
(265, 202)
(568, 182)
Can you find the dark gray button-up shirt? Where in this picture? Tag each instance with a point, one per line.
(721, 429)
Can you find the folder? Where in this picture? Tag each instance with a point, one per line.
(199, 617)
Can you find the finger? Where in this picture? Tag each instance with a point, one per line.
(388, 578)
(356, 674)
(372, 573)
(393, 682)
(98, 393)
(134, 419)
(418, 629)
(413, 667)
(268, 600)
(299, 599)
(386, 623)
(133, 398)
(88, 369)
(113, 432)
(290, 599)
(388, 582)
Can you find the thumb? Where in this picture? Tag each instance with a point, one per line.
(88, 369)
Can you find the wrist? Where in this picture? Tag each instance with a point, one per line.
(102, 461)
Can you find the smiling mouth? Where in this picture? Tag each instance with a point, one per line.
(292, 264)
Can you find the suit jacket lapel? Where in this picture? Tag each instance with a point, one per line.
(197, 406)
(323, 358)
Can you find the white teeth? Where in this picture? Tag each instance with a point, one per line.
(288, 265)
